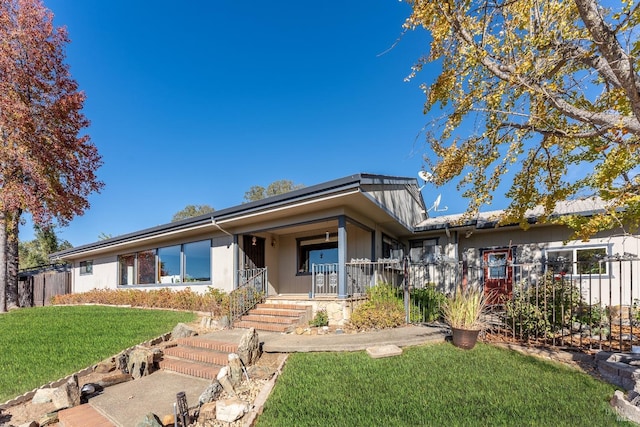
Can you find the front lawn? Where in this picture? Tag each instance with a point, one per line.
(43, 344)
(435, 385)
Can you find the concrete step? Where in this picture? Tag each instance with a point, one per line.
(83, 416)
(268, 305)
(197, 355)
(199, 342)
(187, 367)
(278, 312)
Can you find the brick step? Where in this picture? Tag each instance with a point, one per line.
(186, 367)
(198, 342)
(269, 305)
(83, 416)
(278, 312)
(284, 320)
(197, 355)
(272, 327)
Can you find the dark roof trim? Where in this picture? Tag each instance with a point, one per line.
(307, 193)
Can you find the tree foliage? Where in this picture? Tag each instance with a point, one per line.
(34, 253)
(191, 211)
(282, 186)
(549, 89)
(47, 166)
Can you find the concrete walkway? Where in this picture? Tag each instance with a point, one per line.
(127, 403)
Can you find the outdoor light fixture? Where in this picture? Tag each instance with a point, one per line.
(326, 237)
(253, 241)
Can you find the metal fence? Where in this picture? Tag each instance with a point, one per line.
(593, 304)
(252, 289)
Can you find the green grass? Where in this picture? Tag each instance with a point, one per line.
(435, 385)
(39, 345)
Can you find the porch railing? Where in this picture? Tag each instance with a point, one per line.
(360, 275)
(252, 290)
(324, 279)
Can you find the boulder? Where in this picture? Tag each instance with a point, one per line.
(43, 395)
(231, 410)
(207, 412)
(29, 424)
(140, 362)
(211, 393)
(49, 418)
(150, 420)
(67, 395)
(249, 347)
(183, 331)
(169, 420)
(225, 382)
(235, 369)
(106, 365)
(114, 379)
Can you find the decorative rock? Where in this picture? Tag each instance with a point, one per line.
(249, 347)
(140, 362)
(50, 418)
(625, 408)
(230, 410)
(183, 331)
(225, 382)
(105, 366)
(67, 395)
(150, 420)
(43, 395)
(29, 424)
(384, 351)
(114, 379)
(123, 363)
(169, 420)
(235, 369)
(207, 412)
(211, 393)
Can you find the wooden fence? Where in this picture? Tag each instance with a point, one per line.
(35, 289)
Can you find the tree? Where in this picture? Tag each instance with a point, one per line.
(34, 253)
(282, 186)
(47, 167)
(550, 89)
(191, 211)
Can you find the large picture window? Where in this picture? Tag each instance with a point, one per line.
(189, 262)
(426, 250)
(577, 261)
(317, 250)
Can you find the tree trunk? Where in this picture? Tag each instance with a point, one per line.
(3, 263)
(12, 222)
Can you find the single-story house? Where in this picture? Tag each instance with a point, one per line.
(302, 242)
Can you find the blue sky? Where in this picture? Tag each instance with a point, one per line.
(195, 102)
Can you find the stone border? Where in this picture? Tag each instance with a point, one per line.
(54, 384)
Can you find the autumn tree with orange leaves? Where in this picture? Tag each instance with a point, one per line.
(546, 93)
(47, 164)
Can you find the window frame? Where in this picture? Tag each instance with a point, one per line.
(87, 268)
(436, 250)
(574, 262)
(322, 242)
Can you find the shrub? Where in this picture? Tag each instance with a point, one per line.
(426, 304)
(382, 310)
(320, 319)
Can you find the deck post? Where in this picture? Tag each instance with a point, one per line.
(342, 257)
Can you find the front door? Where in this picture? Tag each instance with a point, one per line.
(253, 252)
(498, 275)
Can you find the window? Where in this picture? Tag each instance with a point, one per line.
(86, 267)
(578, 261)
(497, 265)
(189, 262)
(317, 250)
(424, 250)
(197, 261)
(391, 248)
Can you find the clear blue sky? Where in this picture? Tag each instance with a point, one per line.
(195, 102)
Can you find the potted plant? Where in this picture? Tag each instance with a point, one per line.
(462, 313)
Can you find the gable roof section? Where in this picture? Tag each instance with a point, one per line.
(374, 187)
(584, 207)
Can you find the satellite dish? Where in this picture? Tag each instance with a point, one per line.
(425, 176)
(436, 205)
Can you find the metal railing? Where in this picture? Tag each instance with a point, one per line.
(252, 289)
(324, 279)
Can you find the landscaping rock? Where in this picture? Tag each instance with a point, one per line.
(211, 393)
(43, 395)
(249, 347)
(106, 365)
(150, 420)
(183, 331)
(225, 382)
(114, 379)
(29, 424)
(169, 420)
(67, 395)
(384, 351)
(207, 412)
(47, 419)
(140, 362)
(235, 369)
(230, 410)
(624, 407)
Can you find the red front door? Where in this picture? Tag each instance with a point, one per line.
(498, 275)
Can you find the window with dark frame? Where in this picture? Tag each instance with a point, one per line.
(86, 267)
(317, 250)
